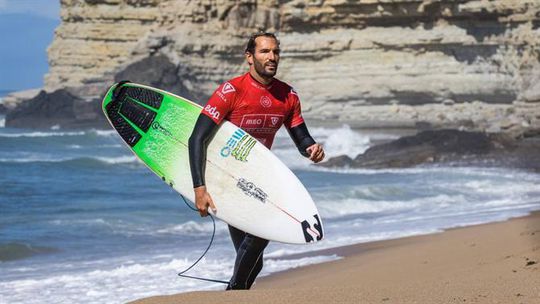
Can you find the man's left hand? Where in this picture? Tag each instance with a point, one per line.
(316, 153)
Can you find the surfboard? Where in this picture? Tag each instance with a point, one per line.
(251, 188)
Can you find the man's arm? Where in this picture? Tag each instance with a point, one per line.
(198, 142)
(306, 144)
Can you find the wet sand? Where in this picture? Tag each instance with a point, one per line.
(489, 263)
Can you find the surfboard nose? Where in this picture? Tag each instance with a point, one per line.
(132, 110)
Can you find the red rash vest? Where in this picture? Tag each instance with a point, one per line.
(258, 109)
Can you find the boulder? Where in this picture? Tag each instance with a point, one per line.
(57, 109)
(439, 146)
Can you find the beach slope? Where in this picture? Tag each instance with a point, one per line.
(490, 263)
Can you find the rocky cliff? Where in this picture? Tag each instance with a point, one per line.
(469, 64)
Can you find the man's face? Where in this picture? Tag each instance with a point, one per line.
(266, 58)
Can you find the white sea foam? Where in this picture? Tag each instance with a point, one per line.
(342, 141)
(119, 160)
(104, 133)
(119, 282)
(41, 134)
(468, 170)
(191, 227)
(336, 142)
(56, 133)
(50, 159)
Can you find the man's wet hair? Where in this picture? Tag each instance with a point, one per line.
(250, 48)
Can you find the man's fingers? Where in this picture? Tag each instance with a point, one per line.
(315, 153)
(212, 206)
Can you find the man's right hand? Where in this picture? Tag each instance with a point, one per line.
(203, 200)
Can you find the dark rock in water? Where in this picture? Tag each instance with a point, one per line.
(339, 161)
(426, 147)
(157, 71)
(59, 108)
(449, 147)
(3, 109)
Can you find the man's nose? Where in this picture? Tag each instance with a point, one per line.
(272, 55)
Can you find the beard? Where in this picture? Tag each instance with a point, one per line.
(265, 71)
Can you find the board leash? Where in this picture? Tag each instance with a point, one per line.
(182, 273)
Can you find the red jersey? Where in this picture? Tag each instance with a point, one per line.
(258, 109)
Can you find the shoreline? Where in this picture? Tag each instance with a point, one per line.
(497, 262)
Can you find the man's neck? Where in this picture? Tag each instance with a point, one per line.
(260, 79)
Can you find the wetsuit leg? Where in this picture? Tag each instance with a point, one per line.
(237, 236)
(249, 258)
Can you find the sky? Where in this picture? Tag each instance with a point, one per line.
(26, 30)
(43, 8)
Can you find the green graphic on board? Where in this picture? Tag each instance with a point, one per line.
(242, 149)
(155, 124)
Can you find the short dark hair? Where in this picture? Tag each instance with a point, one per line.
(250, 48)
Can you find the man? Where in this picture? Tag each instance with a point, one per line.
(258, 103)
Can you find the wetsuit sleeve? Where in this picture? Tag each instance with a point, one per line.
(218, 106)
(301, 137)
(295, 116)
(198, 142)
(296, 126)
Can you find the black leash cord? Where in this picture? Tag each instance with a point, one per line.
(182, 273)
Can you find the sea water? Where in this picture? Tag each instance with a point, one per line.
(83, 221)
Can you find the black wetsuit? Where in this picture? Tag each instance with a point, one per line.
(249, 248)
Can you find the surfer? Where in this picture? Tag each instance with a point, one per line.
(260, 104)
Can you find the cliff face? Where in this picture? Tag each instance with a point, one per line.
(461, 63)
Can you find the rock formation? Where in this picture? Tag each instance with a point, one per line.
(469, 64)
(449, 147)
(59, 108)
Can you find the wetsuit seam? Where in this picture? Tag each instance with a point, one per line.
(252, 268)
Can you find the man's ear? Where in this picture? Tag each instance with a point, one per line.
(249, 58)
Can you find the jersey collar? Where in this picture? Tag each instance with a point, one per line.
(254, 82)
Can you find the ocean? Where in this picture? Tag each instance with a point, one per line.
(4, 92)
(82, 220)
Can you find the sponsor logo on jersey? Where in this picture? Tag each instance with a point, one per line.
(261, 121)
(227, 88)
(254, 122)
(266, 101)
(251, 190)
(212, 111)
(239, 145)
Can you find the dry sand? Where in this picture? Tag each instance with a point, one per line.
(490, 263)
